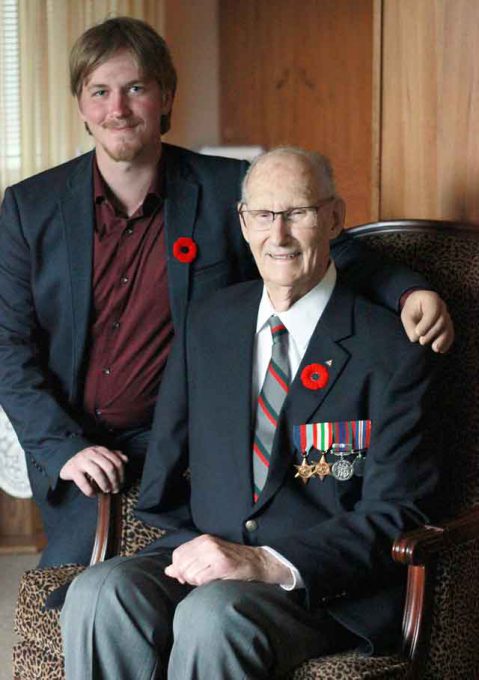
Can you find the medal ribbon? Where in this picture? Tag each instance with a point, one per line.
(313, 435)
(362, 433)
(354, 433)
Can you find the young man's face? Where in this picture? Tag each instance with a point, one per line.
(122, 109)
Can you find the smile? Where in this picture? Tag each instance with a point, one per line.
(284, 257)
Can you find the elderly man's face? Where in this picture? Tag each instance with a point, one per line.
(290, 254)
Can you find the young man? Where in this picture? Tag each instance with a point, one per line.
(98, 260)
(286, 455)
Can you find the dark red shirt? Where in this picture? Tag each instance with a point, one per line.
(131, 330)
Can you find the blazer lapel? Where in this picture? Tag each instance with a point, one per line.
(237, 352)
(301, 403)
(76, 208)
(180, 213)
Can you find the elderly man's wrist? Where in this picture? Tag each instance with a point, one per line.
(273, 570)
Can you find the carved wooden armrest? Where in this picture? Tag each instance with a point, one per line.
(419, 550)
(108, 527)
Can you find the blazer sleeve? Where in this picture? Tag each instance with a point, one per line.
(47, 433)
(352, 549)
(377, 278)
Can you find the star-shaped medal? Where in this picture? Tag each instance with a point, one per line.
(322, 468)
(304, 471)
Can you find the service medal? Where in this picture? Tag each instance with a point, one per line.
(322, 468)
(342, 470)
(358, 465)
(304, 471)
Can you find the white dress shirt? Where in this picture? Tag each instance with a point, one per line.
(300, 321)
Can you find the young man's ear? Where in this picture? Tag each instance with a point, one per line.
(167, 97)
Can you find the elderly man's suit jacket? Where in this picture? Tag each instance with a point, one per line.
(46, 246)
(198, 472)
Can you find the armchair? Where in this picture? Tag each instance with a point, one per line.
(441, 612)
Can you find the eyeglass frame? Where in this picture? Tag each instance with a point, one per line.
(284, 213)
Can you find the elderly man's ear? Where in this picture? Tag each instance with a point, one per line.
(338, 215)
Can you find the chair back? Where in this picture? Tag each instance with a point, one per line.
(447, 255)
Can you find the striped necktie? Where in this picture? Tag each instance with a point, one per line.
(270, 400)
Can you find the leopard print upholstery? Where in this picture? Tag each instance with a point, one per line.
(455, 616)
(453, 652)
(351, 667)
(135, 534)
(36, 663)
(34, 623)
(459, 402)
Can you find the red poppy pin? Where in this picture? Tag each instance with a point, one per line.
(314, 376)
(185, 249)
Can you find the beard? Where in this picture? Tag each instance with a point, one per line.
(126, 147)
(124, 150)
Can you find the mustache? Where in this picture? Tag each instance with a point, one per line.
(120, 123)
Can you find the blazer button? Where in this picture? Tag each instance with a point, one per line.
(251, 525)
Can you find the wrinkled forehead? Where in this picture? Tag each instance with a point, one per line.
(284, 179)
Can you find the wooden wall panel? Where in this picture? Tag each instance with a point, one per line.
(20, 525)
(302, 73)
(430, 110)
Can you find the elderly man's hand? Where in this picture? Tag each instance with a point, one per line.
(95, 469)
(426, 319)
(208, 558)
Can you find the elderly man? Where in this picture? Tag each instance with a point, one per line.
(286, 455)
(98, 260)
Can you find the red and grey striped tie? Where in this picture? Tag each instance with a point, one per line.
(270, 401)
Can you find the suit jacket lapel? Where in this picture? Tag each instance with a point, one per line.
(301, 403)
(76, 208)
(237, 329)
(180, 213)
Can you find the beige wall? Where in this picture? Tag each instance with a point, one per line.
(191, 31)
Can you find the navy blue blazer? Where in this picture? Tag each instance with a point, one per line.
(338, 534)
(46, 242)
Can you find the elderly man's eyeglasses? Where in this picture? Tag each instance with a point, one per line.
(303, 216)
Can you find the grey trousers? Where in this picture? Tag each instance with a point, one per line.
(125, 620)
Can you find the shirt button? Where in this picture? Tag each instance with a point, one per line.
(98, 411)
(128, 231)
(251, 525)
(115, 325)
(124, 279)
(107, 371)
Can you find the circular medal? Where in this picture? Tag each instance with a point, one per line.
(342, 470)
(358, 465)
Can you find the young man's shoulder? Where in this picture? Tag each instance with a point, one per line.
(51, 181)
(204, 164)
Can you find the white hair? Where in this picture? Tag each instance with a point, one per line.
(319, 164)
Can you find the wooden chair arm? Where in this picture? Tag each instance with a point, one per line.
(108, 528)
(418, 547)
(419, 550)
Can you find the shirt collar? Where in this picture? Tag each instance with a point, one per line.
(301, 319)
(155, 191)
